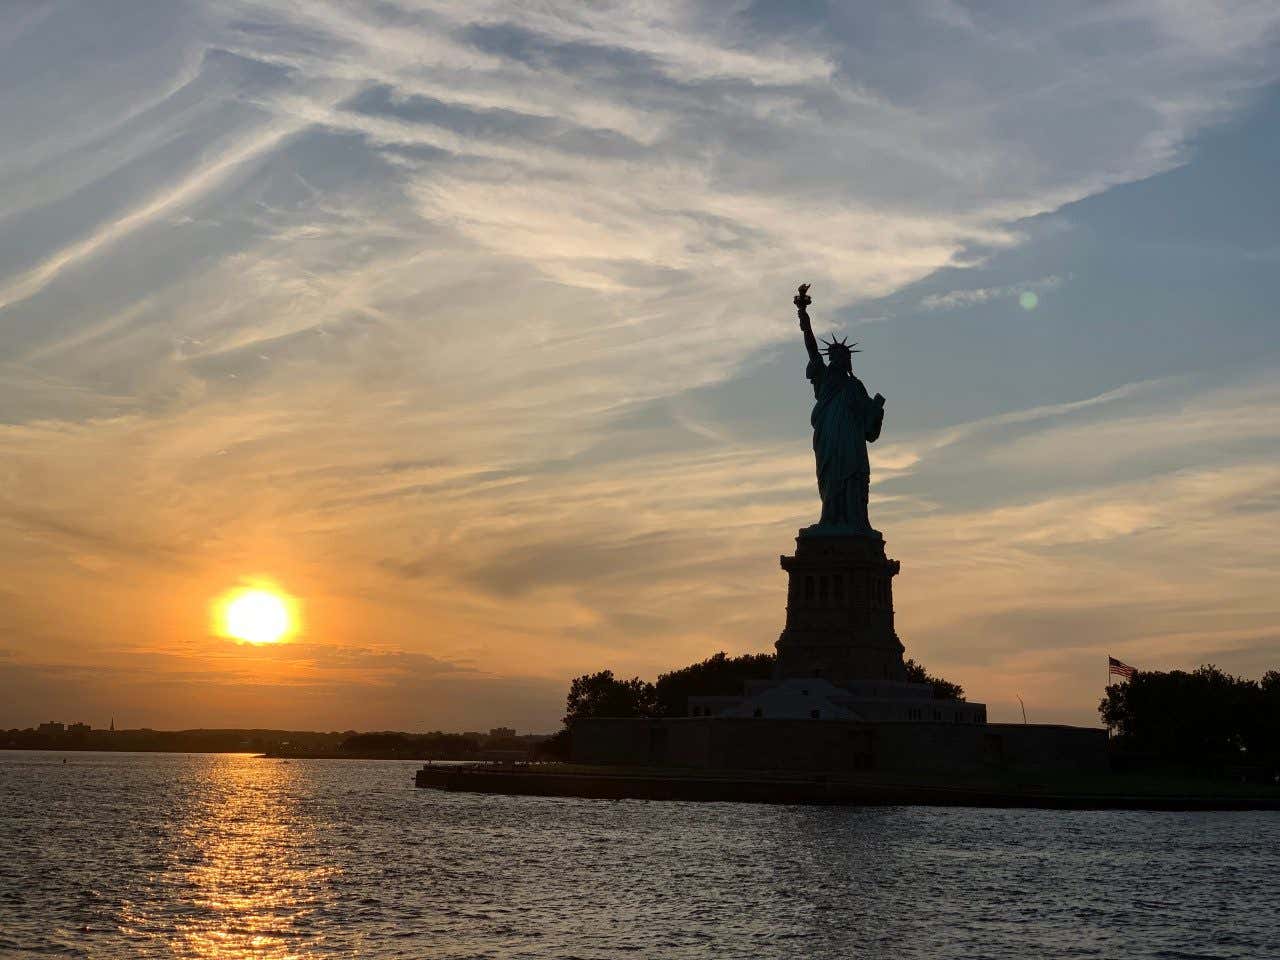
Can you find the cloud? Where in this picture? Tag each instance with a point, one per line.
(36, 279)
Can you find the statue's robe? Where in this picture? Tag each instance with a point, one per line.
(844, 420)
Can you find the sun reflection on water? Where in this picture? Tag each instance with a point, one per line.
(247, 861)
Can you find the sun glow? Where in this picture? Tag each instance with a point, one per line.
(258, 614)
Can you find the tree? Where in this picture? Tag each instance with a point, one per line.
(426, 746)
(942, 689)
(717, 676)
(1205, 718)
(1263, 736)
(558, 746)
(387, 743)
(603, 695)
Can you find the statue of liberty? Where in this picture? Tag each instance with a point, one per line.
(845, 419)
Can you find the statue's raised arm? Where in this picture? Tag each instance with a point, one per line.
(802, 301)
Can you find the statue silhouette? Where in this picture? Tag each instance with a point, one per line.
(845, 419)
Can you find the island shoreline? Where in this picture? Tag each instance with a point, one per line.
(746, 787)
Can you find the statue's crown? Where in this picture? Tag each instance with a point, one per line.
(834, 347)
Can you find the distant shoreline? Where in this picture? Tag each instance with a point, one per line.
(500, 743)
(243, 753)
(69, 749)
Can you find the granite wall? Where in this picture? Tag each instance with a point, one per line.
(833, 745)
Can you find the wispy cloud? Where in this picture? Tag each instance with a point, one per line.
(969, 298)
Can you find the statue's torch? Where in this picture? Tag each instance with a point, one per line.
(802, 301)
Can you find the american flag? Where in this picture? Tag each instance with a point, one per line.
(1118, 668)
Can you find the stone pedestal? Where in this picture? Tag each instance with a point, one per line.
(840, 611)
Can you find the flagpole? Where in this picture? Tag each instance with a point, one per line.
(1106, 684)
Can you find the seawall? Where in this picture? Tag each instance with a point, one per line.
(839, 746)
(747, 787)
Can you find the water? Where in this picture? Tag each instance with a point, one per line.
(163, 855)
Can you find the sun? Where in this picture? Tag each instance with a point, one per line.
(257, 614)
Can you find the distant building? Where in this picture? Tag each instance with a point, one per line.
(53, 726)
(78, 729)
(503, 733)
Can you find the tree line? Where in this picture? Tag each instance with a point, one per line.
(1203, 720)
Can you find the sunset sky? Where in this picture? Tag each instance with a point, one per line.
(467, 325)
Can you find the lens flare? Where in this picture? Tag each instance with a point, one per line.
(1028, 300)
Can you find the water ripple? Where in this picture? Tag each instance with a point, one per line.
(139, 856)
